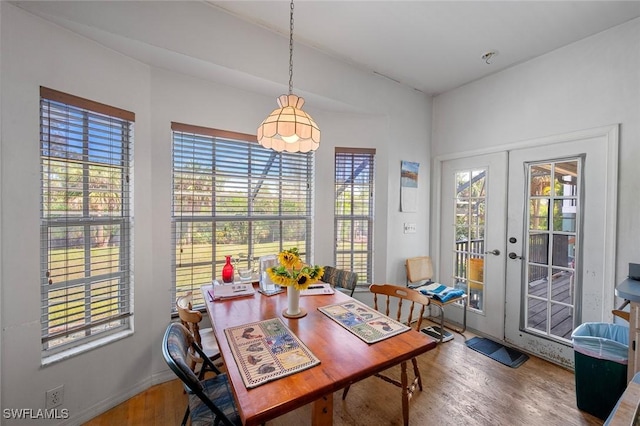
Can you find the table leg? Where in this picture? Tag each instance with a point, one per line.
(322, 414)
(405, 392)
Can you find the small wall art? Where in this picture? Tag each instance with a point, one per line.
(409, 186)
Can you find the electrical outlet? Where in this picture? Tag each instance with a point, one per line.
(54, 397)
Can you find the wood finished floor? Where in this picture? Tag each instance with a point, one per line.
(462, 387)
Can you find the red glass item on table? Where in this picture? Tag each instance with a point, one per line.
(227, 271)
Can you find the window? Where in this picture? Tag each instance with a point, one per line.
(354, 211)
(85, 152)
(232, 197)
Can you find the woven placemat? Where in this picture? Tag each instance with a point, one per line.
(363, 321)
(267, 350)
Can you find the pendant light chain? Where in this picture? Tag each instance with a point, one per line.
(289, 128)
(291, 49)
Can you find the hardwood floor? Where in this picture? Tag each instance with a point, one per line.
(462, 387)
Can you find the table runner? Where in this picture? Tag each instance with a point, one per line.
(267, 350)
(363, 321)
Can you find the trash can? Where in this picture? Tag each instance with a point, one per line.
(601, 357)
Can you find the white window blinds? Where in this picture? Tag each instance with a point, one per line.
(232, 197)
(85, 150)
(354, 203)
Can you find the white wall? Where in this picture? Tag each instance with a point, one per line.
(591, 83)
(34, 53)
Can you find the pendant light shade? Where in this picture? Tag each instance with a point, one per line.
(289, 128)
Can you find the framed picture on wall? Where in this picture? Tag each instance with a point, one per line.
(409, 186)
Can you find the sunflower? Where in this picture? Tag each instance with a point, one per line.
(278, 277)
(293, 272)
(289, 258)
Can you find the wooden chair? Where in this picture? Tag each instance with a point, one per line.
(389, 292)
(420, 271)
(340, 278)
(205, 337)
(211, 400)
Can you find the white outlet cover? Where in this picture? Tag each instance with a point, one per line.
(54, 397)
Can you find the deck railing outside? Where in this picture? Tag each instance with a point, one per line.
(562, 320)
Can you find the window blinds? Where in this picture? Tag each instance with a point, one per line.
(85, 223)
(354, 204)
(233, 197)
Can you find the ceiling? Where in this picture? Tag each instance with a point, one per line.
(435, 46)
(431, 46)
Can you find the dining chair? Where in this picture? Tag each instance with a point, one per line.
(340, 278)
(420, 270)
(211, 400)
(204, 337)
(393, 294)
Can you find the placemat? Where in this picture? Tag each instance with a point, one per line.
(267, 350)
(363, 321)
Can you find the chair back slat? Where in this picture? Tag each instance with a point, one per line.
(390, 291)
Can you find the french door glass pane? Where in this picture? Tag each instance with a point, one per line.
(539, 214)
(538, 281)
(537, 314)
(540, 177)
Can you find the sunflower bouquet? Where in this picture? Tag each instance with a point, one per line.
(293, 272)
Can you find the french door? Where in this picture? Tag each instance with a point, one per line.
(560, 234)
(529, 234)
(473, 201)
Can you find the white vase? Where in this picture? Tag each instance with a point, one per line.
(293, 301)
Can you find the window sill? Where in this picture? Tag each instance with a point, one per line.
(49, 359)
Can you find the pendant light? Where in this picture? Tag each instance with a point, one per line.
(288, 128)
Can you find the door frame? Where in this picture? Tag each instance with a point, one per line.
(611, 135)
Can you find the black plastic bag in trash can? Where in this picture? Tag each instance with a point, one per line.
(601, 355)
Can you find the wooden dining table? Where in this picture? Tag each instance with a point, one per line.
(344, 357)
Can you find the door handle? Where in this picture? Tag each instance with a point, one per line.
(512, 255)
(494, 252)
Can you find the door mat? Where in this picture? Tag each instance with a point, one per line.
(504, 355)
